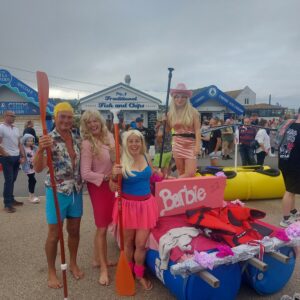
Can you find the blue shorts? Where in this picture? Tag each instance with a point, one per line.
(70, 206)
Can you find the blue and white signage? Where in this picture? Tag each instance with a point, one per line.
(212, 92)
(19, 108)
(23, 90)
(120, 97)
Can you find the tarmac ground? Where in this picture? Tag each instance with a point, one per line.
(23, 269)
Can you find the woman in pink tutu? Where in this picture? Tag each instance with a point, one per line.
(185, 121)
(140, 211)
(96, 165)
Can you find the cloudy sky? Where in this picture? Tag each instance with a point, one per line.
(85, 46)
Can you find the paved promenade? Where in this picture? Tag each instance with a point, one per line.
(23, 265)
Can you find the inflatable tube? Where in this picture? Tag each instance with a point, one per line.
(276, 276)
(258, 184)
(250, 182)
(193, 287)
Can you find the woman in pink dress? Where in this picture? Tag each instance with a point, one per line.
(139, 207)
(185, 121)
(97, 155)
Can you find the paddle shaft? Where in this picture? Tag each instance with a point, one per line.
(119, 198)
(166, 114)
(43, 92)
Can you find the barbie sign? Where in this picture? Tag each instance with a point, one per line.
(177, 195)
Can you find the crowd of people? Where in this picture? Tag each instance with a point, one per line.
(88, 156)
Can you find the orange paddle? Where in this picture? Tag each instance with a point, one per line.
(43, 90)
(125, 284)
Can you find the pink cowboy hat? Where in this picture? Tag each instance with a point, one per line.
(181, 89)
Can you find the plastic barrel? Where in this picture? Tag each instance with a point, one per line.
(275, 277)
(193, 287)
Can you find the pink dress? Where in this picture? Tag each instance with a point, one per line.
(93, 170)
(184, 142)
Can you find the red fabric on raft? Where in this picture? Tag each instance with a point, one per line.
(199, 243)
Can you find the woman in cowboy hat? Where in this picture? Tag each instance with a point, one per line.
(185, 121)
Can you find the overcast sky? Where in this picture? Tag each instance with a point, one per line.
(228, 43)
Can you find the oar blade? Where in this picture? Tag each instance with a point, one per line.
(125, 284)
(43, 91)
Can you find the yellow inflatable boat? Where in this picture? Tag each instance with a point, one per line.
(250, 183)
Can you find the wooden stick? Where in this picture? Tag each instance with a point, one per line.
(255, 262)
(280, 257)
(209, 278)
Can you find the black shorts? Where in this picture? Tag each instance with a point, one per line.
(291, 180)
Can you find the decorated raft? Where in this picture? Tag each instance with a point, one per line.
(199, 272)
(250, 183)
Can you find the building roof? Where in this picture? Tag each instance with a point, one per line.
(263, 106)
(121, 84)
(233, 94)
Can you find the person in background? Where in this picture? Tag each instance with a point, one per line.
(185, 121)
(65, 148)
(139, 207)
(96, 165)
(29, 151)
(254, 119)
(215, 142)
(148, 134)
(167, 151)
(205, 136)
(247, 134)
(227, 139)
(11, 155)
(263, 140)
(29, 128)
(289, 164)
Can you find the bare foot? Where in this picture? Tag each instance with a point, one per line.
(53, 281)
(103, 279)
(146, 284)
(77, 273)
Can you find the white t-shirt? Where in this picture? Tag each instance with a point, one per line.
(263, 138)
(10, 139)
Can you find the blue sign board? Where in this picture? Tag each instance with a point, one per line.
(19, 108)
(212, 92)
(23, 90)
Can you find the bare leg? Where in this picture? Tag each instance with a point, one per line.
(140, 254)
(288, 203)
(73, 228)
(129, 236)
(190, 166)
(180, 166)
(101, 246)
(51, 252)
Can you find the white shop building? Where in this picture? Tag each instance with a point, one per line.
(131, 102)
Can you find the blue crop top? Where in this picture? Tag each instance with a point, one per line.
(138, 185)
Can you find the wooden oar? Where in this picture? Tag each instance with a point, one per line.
(125, 284)
(43, 90)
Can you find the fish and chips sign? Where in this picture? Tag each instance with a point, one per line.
(175, 196)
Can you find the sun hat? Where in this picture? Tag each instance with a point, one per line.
(181, 89)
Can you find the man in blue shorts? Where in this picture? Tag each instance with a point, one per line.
(65, 148)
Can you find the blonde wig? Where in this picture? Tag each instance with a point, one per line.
(86, 133)
(63, 106)
(126, 157)
(186, 117)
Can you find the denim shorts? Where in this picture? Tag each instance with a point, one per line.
(70, 206)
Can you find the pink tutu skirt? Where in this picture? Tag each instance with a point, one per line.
(137, 214)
